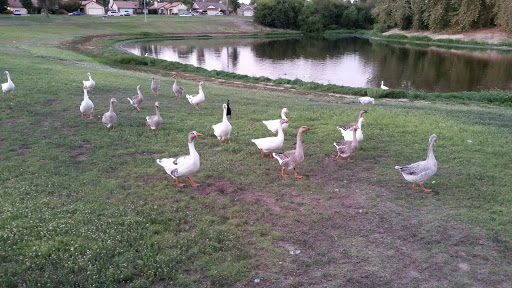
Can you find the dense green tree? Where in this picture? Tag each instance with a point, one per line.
(27, 4)
(466, 14)
(3, 5)
(69, 6)
(278, 13)
(47, 5)
(310, 20)
(235, 4)
(503, 11)
(349, 17)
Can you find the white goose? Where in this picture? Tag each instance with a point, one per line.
(183, 166)
(419, 172)
(366, 100)
(223, 129)
(273, 125)
(110, 118)
(89, 84)
(382, 86)
(9, 86)
(155, 121)
(198, 98)
(87, 106)
(346, 130)
(270, 144)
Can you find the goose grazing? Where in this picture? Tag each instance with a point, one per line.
(229, 109)
(346, 148)
(197, 98)
(89, 83)
(223, 129)
(9, 86)
(183, 166)
(419, 172)
(155, 121)
(346, 130)
(366, 100)
(382, 86)
(290, 159)
(87, 106)
(110, 118)
(273, 125)
(177, 89)
(155, 88)
(270, 144)
(137, 99)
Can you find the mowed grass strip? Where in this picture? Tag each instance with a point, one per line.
(83, 206)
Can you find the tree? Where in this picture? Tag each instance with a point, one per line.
(27, 4)
(278, 13)
(503, 11)
(3, 5)
(47, 5)
(466, 16)
(235, 4)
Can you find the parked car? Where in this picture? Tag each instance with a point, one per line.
(113, 13)
(77, 13)
(195, 14)
(16, 12)
(125, 14)
(219, 13)
(186, 14)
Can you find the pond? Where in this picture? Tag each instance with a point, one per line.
(347, 61)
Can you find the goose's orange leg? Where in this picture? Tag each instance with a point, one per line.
(178, 183)
(229, 142)
(192, 183)
(296, 176)
(262, 154)
(271, 156)
(338, 159)
(282, 173)
(90, 115)
(349, 159)
(197, 107)
(424, 189)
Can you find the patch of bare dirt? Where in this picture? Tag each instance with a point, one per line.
(489, 35)
(10, 121)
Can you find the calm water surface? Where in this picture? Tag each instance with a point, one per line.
(348, 61)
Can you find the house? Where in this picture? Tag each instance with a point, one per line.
(90, 7)
(166, 8)
(124, 6)
(209, 8)
(16, 5)
(245, 10)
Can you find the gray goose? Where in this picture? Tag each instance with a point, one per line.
(346, 148)
(155, 121)
(110, 118)
(177, 89)
(291, 159)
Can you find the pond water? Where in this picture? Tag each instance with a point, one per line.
(348, 61)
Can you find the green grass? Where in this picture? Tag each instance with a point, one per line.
(85, 207)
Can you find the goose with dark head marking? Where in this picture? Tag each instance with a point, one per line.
(155, 121)
(183, 166)
(110, 118)
(419, 172)
(223, 129)
(346, 148)
(291, 159)
(269, 144)
(228, 112)
(7, 87)
(177, 89)
(137, 99)
(346, 130)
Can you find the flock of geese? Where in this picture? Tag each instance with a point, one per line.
(186, 165)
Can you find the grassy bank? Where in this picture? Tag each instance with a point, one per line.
(85, 207)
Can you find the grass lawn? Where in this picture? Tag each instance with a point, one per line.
(81, 206)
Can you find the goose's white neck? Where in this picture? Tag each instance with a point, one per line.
(225, 115)
(283, 116)
(192, 148)
(8, 77)
(85, 94)
(360, 122)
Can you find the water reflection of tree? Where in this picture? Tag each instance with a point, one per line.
(200, 56)
(432, 69)
(184, 51)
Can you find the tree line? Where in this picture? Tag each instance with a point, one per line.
(435, 15)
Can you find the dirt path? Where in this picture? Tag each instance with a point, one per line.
(489, 35)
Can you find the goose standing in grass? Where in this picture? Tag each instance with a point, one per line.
(366, 100)
(8, 86)
(86, 106)
(346, 130)
(177, 89)
(137, 99)
(228, 112)
(197, 98)
(419, 172)
(270, 144)
(155, 88)
(183, 166)
(89, 83)
(382, 86)
(155, 121)
(346, 148)
(223, 129)
(273, 125)
(291, 159)
(110, 118)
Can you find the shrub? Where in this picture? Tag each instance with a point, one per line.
(380, 28)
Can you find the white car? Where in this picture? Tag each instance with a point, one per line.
(16, 12)
(219, 13)
(113, 13)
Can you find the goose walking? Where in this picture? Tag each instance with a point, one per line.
(291, 159)
(229, 109)
(86, 106)
(273, 125)
(110, 118)
(197, 98)
(223, 129)
(419, 172)
(177, 89)
(382, 86)
(155, 88)
(7, 87)
(183, 166)
(346, 148)
(346, 130)
(137, 99)
(155, 121)
(270, 144)
(366, 100)
(89, 83)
